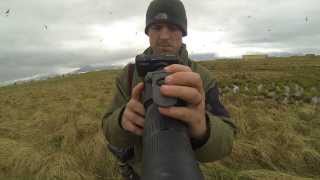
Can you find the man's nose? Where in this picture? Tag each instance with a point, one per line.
(164, 33)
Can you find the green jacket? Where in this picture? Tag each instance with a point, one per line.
(221, 126)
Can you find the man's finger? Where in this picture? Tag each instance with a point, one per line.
(136, 119)
(139, 121)
(129, 126)
(177, 68)
(188, 94)
(190, 79)
(136, 91)
(136, 106)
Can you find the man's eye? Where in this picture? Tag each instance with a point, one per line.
(173, 28)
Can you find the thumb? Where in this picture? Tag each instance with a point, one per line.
(136, 91)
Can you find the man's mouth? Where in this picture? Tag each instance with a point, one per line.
(164, 46)
(165, 49)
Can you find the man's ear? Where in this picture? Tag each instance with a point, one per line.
(148, 31)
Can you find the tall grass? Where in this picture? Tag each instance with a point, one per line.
(51, 129)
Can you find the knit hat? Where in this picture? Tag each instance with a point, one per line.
(168, 11)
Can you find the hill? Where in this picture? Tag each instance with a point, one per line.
(51, 129)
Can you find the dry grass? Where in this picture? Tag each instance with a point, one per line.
(51, 129)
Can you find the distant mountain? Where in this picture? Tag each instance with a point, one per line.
(203, 56)
(38, 77)
(89, 68)
(284, 54)
(98, 67)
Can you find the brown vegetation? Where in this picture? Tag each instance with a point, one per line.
(51, 129)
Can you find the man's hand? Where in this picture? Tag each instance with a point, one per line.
(188, 86)
(133, 116)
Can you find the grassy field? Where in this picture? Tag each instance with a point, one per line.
(51, 129)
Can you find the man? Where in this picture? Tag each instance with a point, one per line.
(210, 128)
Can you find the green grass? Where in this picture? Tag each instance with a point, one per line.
(51, 129)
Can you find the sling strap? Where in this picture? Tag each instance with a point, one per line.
(130, 77)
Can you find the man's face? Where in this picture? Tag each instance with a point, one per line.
(165, 38)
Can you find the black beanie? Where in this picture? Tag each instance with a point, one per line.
(169, 11)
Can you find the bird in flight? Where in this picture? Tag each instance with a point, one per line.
(7, 12)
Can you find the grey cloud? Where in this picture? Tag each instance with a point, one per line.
(280, 24)
(75, 11)
(27, 47)
(47, 62)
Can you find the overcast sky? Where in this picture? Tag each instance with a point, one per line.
(46, 36)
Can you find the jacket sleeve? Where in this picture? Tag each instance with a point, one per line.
(112, 129)
(220, 141)
(221, 129)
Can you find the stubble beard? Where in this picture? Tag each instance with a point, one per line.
(165, 49)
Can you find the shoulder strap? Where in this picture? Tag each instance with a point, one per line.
(130, 77)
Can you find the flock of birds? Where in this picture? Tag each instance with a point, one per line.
(269, 29)
(45, 27)
(7, 12)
